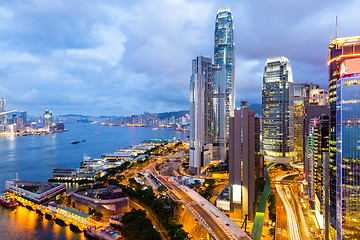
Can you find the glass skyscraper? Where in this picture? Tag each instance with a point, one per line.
(224, 59)
(344, 66)
(200, 110)
(348, 156)
(277, 111)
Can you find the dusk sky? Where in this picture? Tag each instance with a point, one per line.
(122, 57)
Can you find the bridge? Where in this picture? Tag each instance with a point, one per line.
(216, 222)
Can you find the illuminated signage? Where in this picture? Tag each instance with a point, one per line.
(236, 196)
(350, 66)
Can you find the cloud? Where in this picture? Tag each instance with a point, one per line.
(121, 57)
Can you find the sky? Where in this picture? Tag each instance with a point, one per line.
(121, 57)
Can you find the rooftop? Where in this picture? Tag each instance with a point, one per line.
(74, 211)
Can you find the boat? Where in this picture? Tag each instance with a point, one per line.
(29, 207)
(60, 222)
(39, 211)
(97, 133)
(83, 141)
(74, 228)
(155, 128)
(6, 201)
(74, 142)
(48, 216)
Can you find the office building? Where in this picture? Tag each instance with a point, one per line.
(243, 158)
(277, 111)
(224, 63)
(24, 117)
(47, 118)
(344, 153)
(201, 68)
(2, 111)
(301, 101)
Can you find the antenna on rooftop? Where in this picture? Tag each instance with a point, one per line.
(17, 176)
(336, 26)
(330, 34)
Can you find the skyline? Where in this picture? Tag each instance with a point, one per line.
(64, 57)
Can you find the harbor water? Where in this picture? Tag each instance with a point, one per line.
(34, 158)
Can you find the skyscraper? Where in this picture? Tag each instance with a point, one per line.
(344, 152)
(224, 63)
(244, 161)
(277, 111)
(301, 101)
(2, 109)
(47, 118)
(200, 111)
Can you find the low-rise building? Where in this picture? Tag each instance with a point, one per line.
(74, 175)
(109, 201)
(37, 192)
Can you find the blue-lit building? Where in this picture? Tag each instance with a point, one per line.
(343, 221)
(224, 69)
(277, 111)
(348, 157)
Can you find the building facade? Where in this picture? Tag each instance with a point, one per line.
(277, 111)
(224, 62)
(2, 110)
(348, 155)
(200, 112)
(47, 118)
(343, 165)
(243, 158)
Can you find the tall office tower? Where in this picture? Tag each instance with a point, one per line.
(243, 145)
(317, 146)
(2, 109)
(301, 101)
(277, 111)
(343, 166)
(200, 125)
(24, 116)
(47, 118)
(224, 57)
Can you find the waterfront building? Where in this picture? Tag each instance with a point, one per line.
(344, 66)
(277, 111)
(243, 158)
(301, 101)
(88, 173)
(109, 201)
(2, 111)
(224, 85)
(37, 192)
(24, 117)
(47, 118)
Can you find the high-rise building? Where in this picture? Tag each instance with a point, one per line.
(301, 101)
(200, 128)
(243, 161)
(47, 118)
(24, 116)
(224, 63)
(2, 110)
(277, 111)
(317, 146)
(344, 151)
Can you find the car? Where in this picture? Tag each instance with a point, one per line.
(227, 224)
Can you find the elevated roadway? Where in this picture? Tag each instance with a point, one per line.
(217, 223)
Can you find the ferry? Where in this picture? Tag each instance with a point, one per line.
(155, 128)
(7, 201)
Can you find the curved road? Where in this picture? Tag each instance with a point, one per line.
(220, 232)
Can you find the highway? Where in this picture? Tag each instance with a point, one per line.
(292, 223)
(214, 223)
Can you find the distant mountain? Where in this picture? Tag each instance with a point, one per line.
(257, 107)
(177, 114)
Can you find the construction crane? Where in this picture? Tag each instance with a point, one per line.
(1, 113)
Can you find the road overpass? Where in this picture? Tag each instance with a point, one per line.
(216, 222)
